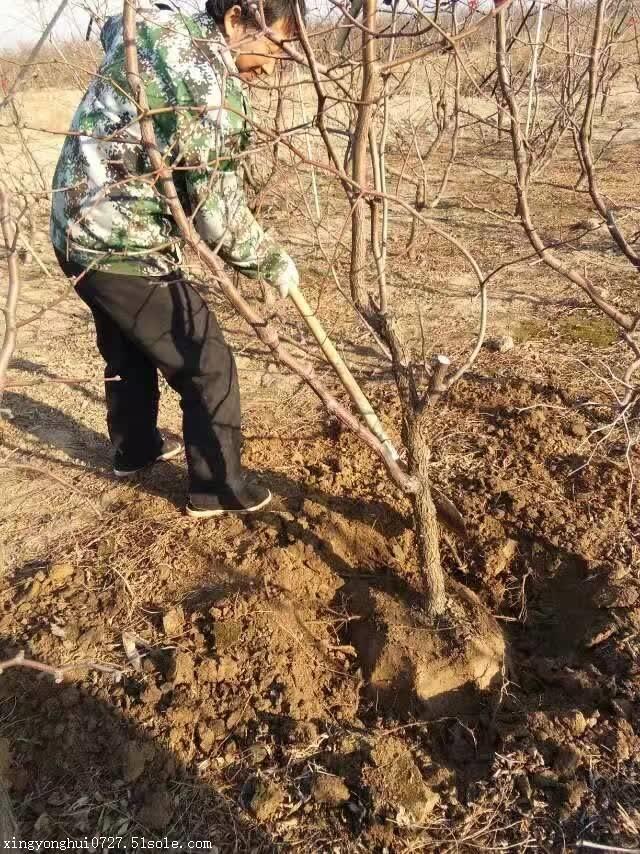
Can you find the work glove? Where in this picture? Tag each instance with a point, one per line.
(287, 278)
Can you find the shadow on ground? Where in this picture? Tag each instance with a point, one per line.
(81, 768)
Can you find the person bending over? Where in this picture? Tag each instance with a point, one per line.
(114, 236)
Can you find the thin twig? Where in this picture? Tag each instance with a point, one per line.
(20, 660)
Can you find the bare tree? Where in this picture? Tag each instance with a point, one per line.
(584, 74)
(368, 158)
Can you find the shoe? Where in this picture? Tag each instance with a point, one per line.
(170, 449)
(249, 498)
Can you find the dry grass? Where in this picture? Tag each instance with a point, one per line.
(65, 66)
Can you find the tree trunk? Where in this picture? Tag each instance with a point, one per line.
(359, 293)
(415, 438)
(425, 517)
(9, 239)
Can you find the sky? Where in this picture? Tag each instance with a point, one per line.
(22, 21)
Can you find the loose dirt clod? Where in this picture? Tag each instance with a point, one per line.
(500, 343)
(266, 800)
(210, 732)
(135, 762)
(173, 621)
(330, 790)
(397, 786)
(60, 573)
(499, 557)
(576, 722)
(183, 669)
(157, 810)
(567, 760)
(226, 634)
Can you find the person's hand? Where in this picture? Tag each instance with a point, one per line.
(287, 279)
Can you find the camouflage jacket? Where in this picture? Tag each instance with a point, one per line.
(106, 212)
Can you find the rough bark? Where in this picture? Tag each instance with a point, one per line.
(426, 518)
(415, 436)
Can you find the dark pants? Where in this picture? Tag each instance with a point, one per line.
(148, 324)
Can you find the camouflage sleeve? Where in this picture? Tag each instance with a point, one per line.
(223, 219)
(110, 26)
(207, 140)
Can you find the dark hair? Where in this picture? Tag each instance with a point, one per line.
(274, 10)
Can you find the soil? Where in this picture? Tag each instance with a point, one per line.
(270, 683)
(409, 663)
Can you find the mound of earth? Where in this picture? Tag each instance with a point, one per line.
(435, 668)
